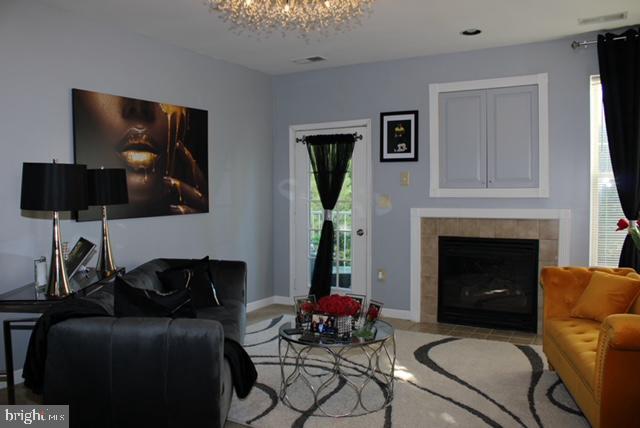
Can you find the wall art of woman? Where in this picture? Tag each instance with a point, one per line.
(163, 148)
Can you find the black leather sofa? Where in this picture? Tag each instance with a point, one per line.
(149, 372)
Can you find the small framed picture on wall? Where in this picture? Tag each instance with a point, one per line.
(399, 136)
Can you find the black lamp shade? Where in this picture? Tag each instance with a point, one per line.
(107, 186)
(53, 187)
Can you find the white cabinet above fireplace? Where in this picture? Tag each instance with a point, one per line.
(489, 138)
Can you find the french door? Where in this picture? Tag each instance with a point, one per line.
(350, 216)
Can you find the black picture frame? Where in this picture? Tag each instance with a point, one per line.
(374, 304)
(403, 145)
(298, 301)
(79, 255)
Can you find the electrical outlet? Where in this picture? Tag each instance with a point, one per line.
(405, 179)
(382, 275)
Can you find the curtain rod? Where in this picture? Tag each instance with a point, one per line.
(355, 135)
(587, 43)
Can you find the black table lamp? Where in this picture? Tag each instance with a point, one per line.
(54, 187)
(106, 187)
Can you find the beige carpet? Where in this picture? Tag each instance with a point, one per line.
(440, 382)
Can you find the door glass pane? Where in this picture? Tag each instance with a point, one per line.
(314, 240)
(312, 260)
(342, 222)
(317, 215)
(345, 275)
(342, 217)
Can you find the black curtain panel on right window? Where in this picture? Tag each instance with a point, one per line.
(619, 59)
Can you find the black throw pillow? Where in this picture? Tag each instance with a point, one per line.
(194, 276)
(130, 301)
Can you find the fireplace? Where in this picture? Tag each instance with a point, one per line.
(488, 282)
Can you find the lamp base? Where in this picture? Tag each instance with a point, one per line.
(106, 266)
(58, 284)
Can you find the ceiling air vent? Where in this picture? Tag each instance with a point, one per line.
(309, 59)
(603, 18)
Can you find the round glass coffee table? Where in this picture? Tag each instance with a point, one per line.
(337, 378)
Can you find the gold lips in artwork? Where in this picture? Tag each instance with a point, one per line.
(137, 149)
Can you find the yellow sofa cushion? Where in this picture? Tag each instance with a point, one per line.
(605, 295)
(563, 286)
(577, 339)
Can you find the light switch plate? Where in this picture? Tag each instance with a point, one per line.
(382, 275)
(405, 179)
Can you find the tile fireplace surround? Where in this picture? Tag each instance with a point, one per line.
(550, 227)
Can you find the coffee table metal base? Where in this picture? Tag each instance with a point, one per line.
(308, 365)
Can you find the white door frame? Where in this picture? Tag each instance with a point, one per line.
(366, 140)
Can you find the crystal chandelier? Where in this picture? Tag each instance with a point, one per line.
(303, 16)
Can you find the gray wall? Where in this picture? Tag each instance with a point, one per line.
(44, 52)
(363, 91)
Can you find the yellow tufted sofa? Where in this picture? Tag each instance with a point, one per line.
(599, 363)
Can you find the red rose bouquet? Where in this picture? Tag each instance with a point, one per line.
(337, 305)
(632, 229)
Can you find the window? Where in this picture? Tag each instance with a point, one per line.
(606, 243)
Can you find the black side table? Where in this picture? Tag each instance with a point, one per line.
(26, 300)
(7, 327)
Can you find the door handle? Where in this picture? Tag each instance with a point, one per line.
(360, 232)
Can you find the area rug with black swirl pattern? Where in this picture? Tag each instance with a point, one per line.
(440, 381)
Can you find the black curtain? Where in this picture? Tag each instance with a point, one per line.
(619, 58)
(329, 156)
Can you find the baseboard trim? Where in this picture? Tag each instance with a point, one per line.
(273, 300)
(259, 304)
(17, 379)
(396, 313)
(283, 300)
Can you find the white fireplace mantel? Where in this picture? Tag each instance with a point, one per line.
(564, 235)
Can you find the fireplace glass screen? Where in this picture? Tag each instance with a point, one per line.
(488, 282)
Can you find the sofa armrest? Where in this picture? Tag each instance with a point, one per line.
(230, 280)
(622, 332)
(136, 371)
(617, 376)
(563, 286)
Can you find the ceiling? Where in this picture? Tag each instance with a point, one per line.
(396, 29)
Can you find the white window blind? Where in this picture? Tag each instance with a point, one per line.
(605, 243)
